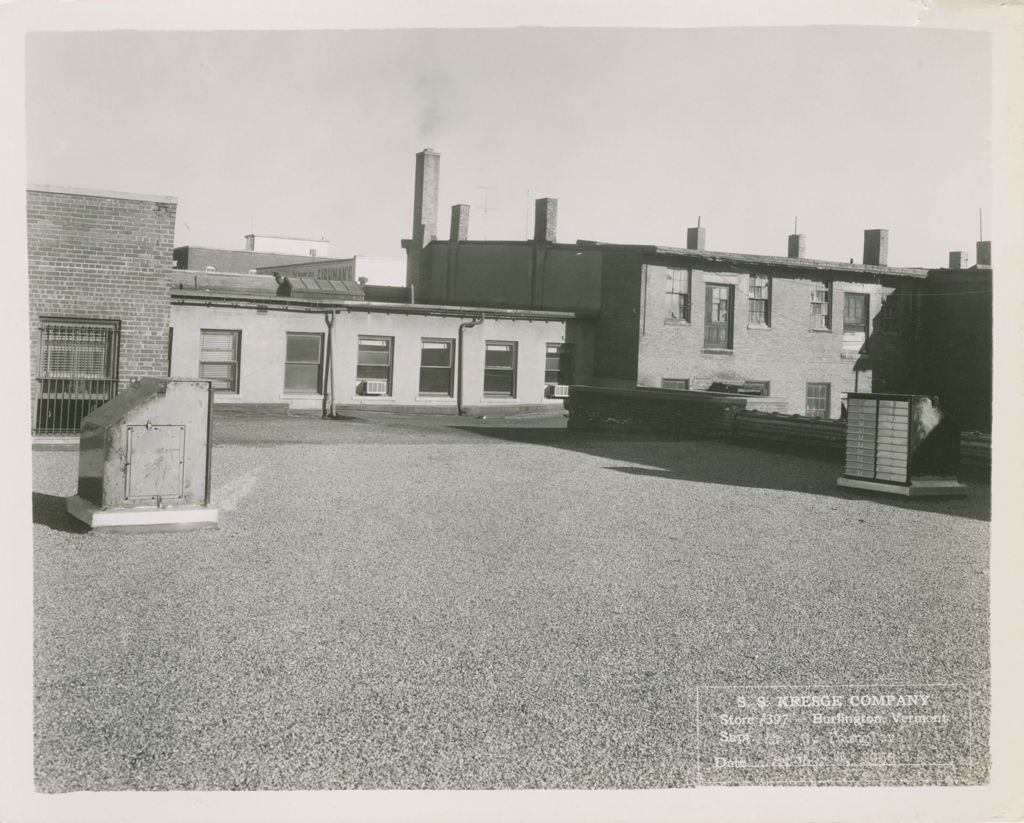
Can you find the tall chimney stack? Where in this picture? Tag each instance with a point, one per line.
(695, 237)
(797, 245)
(957, 259)
(424, 212)
(983, 253)
(545, 219)
(876, 247)
(460, 223)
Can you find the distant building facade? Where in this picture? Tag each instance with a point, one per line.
(236, 261)
(379, 271)
(275, 244)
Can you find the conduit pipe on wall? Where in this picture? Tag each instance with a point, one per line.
(330, 318)
(476, 321)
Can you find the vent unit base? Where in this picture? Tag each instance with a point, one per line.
(917, 488)
(142, 518)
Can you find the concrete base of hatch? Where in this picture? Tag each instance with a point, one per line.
(946, 487)
(142, 518)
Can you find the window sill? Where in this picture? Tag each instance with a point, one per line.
(820, 331)
(716, 351)
(678, 323)
(761, 326)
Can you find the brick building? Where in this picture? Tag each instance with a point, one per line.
(99, 301)
(238, 261)
(803, 332)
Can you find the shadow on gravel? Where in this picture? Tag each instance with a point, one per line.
(48, 510)
(709, 461)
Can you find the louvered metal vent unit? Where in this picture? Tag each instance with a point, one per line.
(901, 444)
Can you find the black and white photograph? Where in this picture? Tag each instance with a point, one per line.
(440, 416)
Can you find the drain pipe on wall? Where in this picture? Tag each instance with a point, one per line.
(330, 318)
(476, 321)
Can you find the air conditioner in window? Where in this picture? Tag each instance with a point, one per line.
(557, 390)
(375, 387)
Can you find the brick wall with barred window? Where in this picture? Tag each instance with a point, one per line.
(107, 257)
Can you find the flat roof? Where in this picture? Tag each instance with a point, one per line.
(805, 263)
(114, 195)
(312, 261)
(242, 299)
(289, 237)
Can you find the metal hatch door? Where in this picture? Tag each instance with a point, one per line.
(155, 462)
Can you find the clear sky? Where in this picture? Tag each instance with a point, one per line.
(635, 131)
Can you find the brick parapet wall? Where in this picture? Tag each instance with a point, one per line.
(103, 258)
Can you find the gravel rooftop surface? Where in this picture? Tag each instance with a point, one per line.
(431, 602)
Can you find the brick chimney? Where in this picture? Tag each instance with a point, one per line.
(460, 223)
(424, 212)
(876, 247)
(695, 237)
(545, 219)
(983, 253)
(957, 259)
(797, 245)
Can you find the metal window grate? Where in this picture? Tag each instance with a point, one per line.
(77, 373)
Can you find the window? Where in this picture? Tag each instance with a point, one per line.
(818, 399)
(558, 363)
(750, 388)
(436, 367)
(718, 318)
(855, 324)
(303, 363)
(500, 369)
(77, 372)
(889, 319)
(677, 294)
(855, 313)
(677, 383)
(218, 359)
(760, 300)
(821, 306)
(374, 361)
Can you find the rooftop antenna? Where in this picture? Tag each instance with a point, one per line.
(795, 230)
(698, 221)
(526, 217)
(981, 235)
(485, 208)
